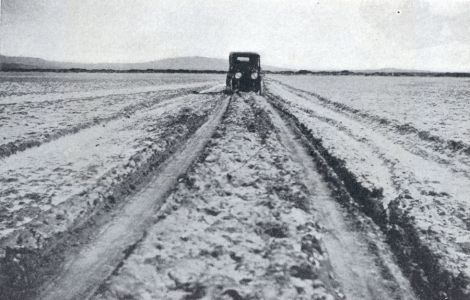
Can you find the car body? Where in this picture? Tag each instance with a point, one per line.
(244, 72)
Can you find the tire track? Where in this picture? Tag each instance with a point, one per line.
(69, 201)
(343, 121)
(74, 96)
(56, 133)
(360, 257)
(84, 272)
(418, 138)
(418, 253)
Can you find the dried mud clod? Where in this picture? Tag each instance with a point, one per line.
(275, 230)
(260, 122)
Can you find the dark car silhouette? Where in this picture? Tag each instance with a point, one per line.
(244, 73)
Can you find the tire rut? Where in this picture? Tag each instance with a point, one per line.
(428, 144)
(367, 269)
(83, 272)
(421, 265)
(238, 224)
(15, 147)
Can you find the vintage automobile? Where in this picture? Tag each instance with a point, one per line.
(244, 73)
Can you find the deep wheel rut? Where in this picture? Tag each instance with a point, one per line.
(83, 273)
(362, 261)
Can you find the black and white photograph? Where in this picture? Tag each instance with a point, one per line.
(235, 149)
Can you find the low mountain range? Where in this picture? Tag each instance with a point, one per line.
(189, 63)
(177, 63)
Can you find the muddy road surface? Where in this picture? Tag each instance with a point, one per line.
(193, 196)
(85, 270)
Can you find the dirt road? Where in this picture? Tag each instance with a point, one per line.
(231, 198)
(256, 188)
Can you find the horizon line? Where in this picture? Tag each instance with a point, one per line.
(398, 69)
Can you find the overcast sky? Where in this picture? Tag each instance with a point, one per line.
(317, 34)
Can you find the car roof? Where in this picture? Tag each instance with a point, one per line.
(244, 54)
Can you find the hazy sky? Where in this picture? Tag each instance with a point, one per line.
(431, 35)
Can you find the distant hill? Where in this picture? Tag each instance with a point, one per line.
(378, 72)
(391, 70)
(196, 63)
(177, 63)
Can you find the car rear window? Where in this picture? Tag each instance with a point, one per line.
(243, 59)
